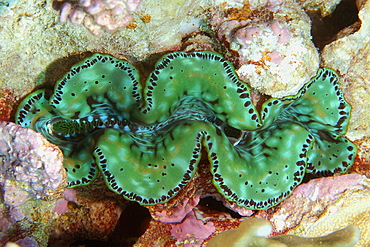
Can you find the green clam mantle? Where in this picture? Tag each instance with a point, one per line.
(146, 140)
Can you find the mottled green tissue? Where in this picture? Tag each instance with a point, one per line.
(146, 139)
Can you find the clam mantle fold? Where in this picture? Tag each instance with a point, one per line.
(146, 140)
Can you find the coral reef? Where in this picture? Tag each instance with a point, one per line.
(88, 215)
(352, 46)
(32, 178)
(157, 31)
(330, 211)
(272, 44)
(7, 101)
(85, 118)
(197, 226)
(29, 163)
(192, 230)
(252, 232)
(309, 201)
(37, 49)
(297, 215)
(98, 14)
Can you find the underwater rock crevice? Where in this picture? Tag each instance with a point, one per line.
(325, 29)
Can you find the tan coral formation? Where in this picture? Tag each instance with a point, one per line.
(350, 56)
(322, 206)
(31, 37)
(319, 200)
(351, 208)
(253, 231)
(271, 42)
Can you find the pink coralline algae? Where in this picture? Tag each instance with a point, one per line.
(31, 167)
(330, 187)
(61, 206)
(97, 15)
(271, 44)
(193, 230)
(179, 212)
(310, 200)
(282, 33)
(32, 177)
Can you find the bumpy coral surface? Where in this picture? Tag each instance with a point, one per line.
(338, 202)
(186, 105)
(88, 214)
(30, 166)
(6, 103)
(353, 47)
(309, 200)
(31, 180)
(272, 44)
(308, 213)
(97, 15)
(253, 232)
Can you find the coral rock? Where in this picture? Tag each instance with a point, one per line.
(349, 208)
(354, 50)
(274, 48)
(6, 103)
(330, 187)
(97, 15)
(32, 179)
(252, 232)
(29, 162)
(198, 226)
(322, 206)
(192, 230)
(87, 213)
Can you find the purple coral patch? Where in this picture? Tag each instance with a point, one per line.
(275, 57)
(193, 227)
(61, 206)
(70, 195)
(32, 167)
(329, 187)
(178, 213)
(282, 32)
(27, 242)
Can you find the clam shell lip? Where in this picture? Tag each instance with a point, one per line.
(146, 140)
